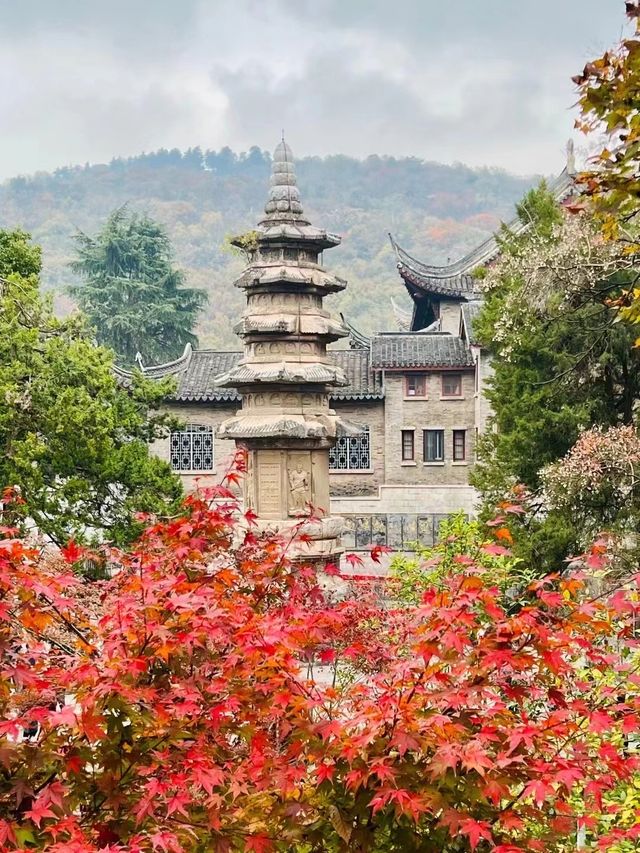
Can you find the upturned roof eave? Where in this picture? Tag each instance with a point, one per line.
(428, 276)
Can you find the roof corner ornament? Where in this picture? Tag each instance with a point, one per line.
(401, 316)
(356, 339)
(139, 362)
(571, 157)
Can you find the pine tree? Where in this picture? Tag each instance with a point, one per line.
(133, 296)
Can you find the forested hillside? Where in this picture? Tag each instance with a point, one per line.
(436, 211)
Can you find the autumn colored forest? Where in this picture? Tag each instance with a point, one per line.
(203, 197)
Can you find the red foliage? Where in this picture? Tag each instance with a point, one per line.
(220, 702)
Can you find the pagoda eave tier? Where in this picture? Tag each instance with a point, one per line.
(282, 373)
(291, 232)
(291, 324)
(290, 277)
(279, 426)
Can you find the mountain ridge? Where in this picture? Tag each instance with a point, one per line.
(436, 211)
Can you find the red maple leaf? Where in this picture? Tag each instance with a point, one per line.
(475, 830)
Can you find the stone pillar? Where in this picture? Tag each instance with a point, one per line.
(286, 424)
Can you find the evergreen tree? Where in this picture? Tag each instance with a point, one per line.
(74, 443)
(133, 296)
(561, 364)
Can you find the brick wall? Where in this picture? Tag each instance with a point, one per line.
(419, 414)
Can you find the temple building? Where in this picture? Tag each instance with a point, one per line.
(390, 422)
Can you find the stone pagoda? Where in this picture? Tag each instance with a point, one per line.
(285, 376)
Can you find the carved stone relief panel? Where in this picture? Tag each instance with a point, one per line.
(299, 480)
(269, 302)
(269, 485)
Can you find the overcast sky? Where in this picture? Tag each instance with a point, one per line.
(485, 82)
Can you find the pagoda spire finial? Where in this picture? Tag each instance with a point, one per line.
(284, 199)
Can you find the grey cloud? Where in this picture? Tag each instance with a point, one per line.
(507, 24)
(336, 109)
(133, 28)
(480, 81)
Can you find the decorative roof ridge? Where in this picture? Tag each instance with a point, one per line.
(166, 367)
(402, 316)
(487, 250)
(121, 372)
(356, 339)
(170, 366)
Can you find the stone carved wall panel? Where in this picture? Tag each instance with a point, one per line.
(299, 479)
(269, 482)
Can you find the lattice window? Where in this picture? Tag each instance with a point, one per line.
(192, 448)
(351, 453)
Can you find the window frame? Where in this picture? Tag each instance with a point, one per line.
(192, 429)
(347, 439)
(425, 446)
(417, 377)
(443, 378)
(456, 434)
(410, 434)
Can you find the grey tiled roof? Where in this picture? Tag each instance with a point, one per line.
(196, 370)
(363, 383)
(468, 312)
(413, 349)
(456, 280)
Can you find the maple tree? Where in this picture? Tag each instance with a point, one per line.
(218, 699)
(608, 90)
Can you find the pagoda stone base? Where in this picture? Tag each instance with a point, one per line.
(316, 541)
(289, 492)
